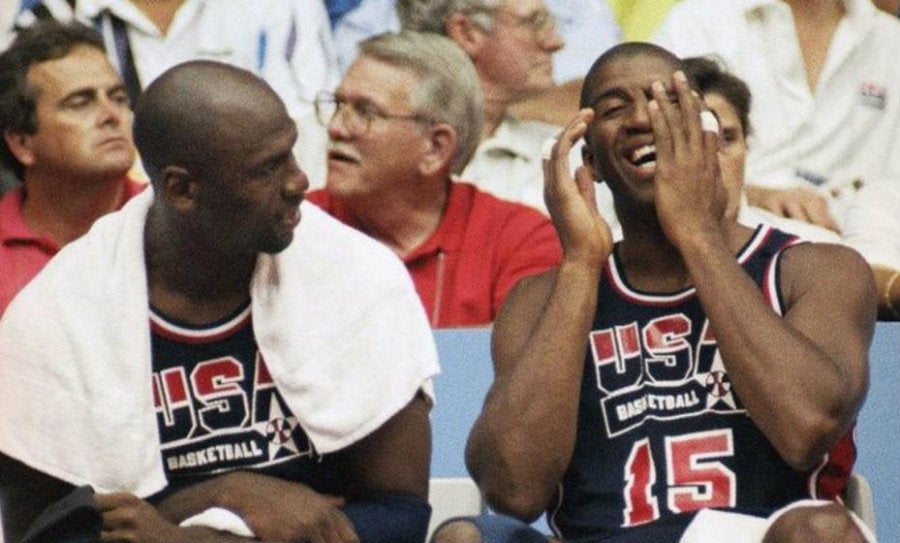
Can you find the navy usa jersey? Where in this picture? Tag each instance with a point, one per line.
(661, 431)
(217, 407)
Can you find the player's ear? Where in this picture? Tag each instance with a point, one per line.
(587, 156)
(179, 188)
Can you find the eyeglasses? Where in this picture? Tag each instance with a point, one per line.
(541, 23)
(356, 115)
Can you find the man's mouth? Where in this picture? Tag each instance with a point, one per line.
(342, 153)
(644, 158)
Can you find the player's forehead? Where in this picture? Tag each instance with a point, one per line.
(629, 74)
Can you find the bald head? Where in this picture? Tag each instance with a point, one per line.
(196, 113)
(622, 52)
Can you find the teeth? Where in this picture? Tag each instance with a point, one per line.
(642, 152)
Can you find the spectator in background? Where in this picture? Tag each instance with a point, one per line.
(8, 12)
(589, 28)
(66, 124)
(286, 42)
(511, 43)
(406, 117)
(220, 347)
(873, 229)
(826, 88)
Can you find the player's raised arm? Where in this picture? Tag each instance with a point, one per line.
(802, 377)
(519, 447)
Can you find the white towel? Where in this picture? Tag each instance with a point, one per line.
(335, 314)
(712, 526)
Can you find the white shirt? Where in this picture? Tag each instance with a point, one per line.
(847, 130)
(753, 216)
(748, 215)
(371, 17)
(589, 28)
(285, 42)
(8, 11)
(872, 226)
(508, 164)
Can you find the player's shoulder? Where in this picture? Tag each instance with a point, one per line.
(831, 267)
(826, 257)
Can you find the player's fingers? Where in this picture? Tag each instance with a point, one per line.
(555, 154)
(114, 536)
(710, 135)
(573, 132)
(343, 528)
(106, 502)
(668, 127)
(335, 501)
(586, 187)
(661, 137)
(689, 110)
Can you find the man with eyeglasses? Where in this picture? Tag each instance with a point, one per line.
(404, 120)
(511, 44)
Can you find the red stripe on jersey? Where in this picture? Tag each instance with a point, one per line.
(194, 336)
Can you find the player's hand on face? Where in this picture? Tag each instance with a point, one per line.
(795, 203)
(583, 232)
(278, 510)
(127, 518)
(689, 193)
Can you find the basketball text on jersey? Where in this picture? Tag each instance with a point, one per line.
(216, 404)
(655, 372)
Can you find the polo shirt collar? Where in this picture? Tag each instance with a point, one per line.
(14, 229)
(448, 237)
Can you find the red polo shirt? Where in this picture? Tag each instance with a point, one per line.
(481, 248)
(22, 252)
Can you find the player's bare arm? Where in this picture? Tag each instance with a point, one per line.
(394, 459)
(274, 509)
(522, 442)
(801, 377)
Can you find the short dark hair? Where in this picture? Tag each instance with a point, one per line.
(625, 50)
(710, 75)
(43, 41)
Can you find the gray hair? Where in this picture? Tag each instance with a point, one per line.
(432, 15)
(448, 90)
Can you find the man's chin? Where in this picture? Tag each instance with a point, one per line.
(277, 245)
